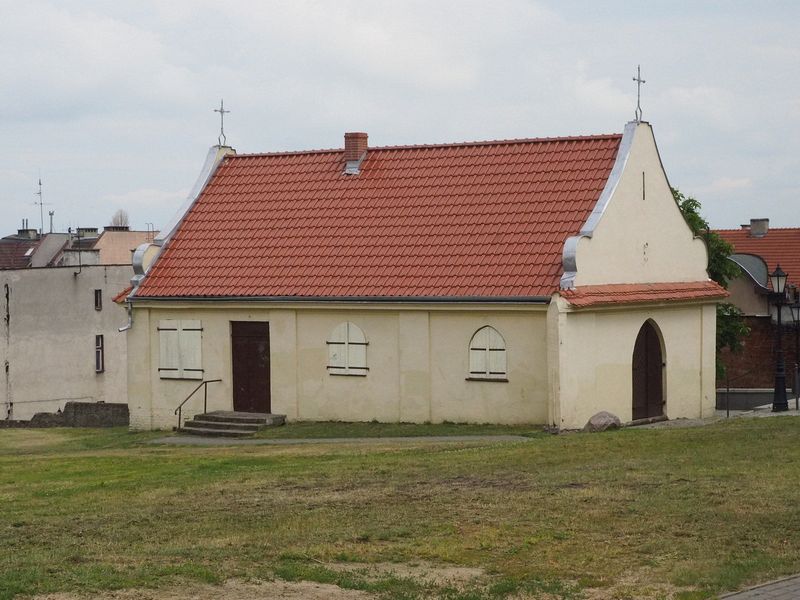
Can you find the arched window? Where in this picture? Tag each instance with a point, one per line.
(347, 350)
(487, 354)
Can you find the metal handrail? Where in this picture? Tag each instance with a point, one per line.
(203, 384)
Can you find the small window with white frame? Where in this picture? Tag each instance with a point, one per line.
(347, 350)
(487, 355)
(99, 354)
(180, 345)
(98, 299)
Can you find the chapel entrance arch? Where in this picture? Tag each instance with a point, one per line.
(648, 373)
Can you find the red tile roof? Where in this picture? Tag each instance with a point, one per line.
(120, 297)
(779, 246)
(631, 293)
(481, 219)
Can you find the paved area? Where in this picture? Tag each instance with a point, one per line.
(721, 415)
(783, 589)
(189, 440)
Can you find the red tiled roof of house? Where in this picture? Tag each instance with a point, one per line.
(778, 246)
(482, 219)
(632, 293)
(120, 297)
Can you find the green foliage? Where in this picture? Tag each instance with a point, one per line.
(720, 269)
(731, 327)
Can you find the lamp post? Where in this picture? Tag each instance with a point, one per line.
(795, 308)
(779, 402)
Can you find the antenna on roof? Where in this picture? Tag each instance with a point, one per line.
(51, 213)
(221, 110)
(639, 81)
(41, 206)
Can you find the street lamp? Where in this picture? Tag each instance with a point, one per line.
(779, 402)
(795, 308)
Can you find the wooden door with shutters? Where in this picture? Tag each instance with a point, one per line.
(648, 374)
(250, 356)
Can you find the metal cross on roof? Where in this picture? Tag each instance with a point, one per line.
(221, 110)
(639, 81)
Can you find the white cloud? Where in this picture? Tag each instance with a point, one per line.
(113, 101)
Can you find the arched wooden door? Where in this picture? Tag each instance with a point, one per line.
(648, 373)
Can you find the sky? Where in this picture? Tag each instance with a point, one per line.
(111, 103)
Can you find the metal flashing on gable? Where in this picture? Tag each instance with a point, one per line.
(214, 157)
(569, 260)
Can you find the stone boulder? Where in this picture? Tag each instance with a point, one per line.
(601, 422)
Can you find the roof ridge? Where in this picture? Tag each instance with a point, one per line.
(510, 141)
(763, 236)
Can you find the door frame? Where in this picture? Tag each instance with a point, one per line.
(232, 335)
(653, 326)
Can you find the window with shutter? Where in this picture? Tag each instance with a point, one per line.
(347, 350)
(99, 354)
(487, 355)
(180, 344)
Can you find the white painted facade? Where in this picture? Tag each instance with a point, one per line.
(561, 364)
(49, 333)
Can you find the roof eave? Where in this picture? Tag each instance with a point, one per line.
(362, 299)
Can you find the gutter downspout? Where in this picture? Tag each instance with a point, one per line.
(129, 324)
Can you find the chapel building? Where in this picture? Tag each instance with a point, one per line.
(515, 281)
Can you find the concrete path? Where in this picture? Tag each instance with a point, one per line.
(188, 440)
(782, 589)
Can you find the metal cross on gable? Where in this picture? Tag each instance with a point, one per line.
(221, 110)
(639, 81)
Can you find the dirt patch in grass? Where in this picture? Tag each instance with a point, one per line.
(641, 584)
(423, 572)
(230, 590)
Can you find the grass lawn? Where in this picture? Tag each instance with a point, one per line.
(311, 429)
(626, 514)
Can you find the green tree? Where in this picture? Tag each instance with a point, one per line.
(731, 328)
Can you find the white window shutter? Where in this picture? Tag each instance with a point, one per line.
(357, 356)
(169, 364)
(497, 362)
(477, 361)
(487, 354)
(180, 349)
(191, 349)
(347, 350)
(337, 358)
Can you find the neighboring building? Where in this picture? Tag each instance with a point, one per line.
(758, 250)
(60, 337)
(520, 281)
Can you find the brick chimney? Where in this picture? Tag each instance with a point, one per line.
(759, 227)
(355, 149)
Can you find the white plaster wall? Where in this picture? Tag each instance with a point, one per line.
(523, 399)
(641, 238)
(417, 359)
(48, 338)
(595, 355)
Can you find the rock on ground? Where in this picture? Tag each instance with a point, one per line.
(601, 422)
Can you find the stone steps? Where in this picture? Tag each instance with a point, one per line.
(225, 423)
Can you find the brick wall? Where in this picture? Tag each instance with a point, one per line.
(754, 365)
